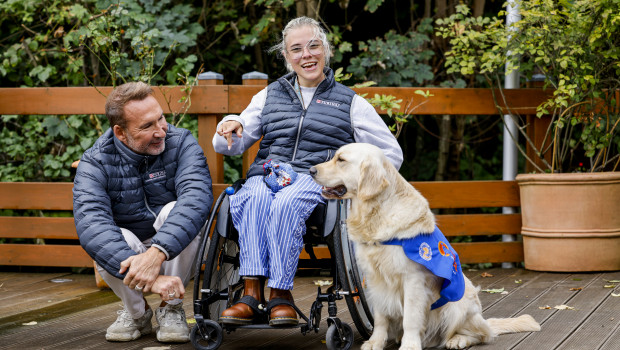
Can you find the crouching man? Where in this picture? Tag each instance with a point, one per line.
(141, 195)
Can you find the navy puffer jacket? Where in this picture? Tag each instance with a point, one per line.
(115, 187)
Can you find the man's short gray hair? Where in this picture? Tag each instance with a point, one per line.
(120, 96)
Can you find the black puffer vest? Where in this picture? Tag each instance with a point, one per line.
(304, 138)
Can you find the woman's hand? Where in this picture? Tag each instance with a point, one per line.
(226, 129)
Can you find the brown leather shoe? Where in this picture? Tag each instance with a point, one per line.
(244, 311)
(282, 315)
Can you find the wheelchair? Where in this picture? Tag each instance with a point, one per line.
(217, 284)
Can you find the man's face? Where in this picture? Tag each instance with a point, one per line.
(146, 127)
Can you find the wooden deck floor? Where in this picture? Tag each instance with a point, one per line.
(67, 311)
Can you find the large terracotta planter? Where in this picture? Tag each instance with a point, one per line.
(571, 222)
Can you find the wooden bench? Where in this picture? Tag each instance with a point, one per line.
(212, 100)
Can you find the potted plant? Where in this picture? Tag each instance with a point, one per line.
(571, 203)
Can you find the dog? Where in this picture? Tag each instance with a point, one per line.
(402, 292)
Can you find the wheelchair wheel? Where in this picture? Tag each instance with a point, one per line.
(207, 337)
(335, 341)
(351, 277)
(222, 274)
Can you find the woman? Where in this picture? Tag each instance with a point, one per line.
(303, 118)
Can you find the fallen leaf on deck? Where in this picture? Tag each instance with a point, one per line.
(472, 269)
(61, 280)
(322, 283)
(576, 289)
(518, 281)
(576, 279)
(564, 307)
(492, 291)
(609, 286)
(613, 281)
(544, 307)
(191, 321)
(486, 274)
(31, 323)
(615, 295)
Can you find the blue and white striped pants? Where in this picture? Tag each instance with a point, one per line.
(271, 227)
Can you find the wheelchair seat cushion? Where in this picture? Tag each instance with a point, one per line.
(277, 176)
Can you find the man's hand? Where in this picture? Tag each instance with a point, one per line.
(228, 128)
(143, 269)
(168, 287)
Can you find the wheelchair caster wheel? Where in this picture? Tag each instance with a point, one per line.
(207, 337)
(334, 341)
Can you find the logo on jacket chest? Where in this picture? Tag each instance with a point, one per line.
(328, 103)
(156, 175)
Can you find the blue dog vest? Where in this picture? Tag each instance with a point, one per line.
(434, 252)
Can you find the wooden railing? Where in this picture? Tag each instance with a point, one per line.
(211, 100)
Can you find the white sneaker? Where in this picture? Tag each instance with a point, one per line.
(172, 324)
(126, 328)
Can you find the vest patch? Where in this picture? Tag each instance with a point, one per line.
(328, 103)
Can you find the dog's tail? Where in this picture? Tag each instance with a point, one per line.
(523, 323)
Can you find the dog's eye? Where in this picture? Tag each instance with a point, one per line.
(339, 159)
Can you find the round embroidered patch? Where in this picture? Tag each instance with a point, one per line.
(425, 251)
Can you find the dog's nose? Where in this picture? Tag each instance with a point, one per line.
(312, 171)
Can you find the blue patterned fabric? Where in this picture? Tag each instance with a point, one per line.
(436, 254)
(271, 227)
(278, 175)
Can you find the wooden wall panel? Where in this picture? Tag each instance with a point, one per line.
(37, 227)
(36, 195)
(44, 255)
(479, 224)
(470, 194)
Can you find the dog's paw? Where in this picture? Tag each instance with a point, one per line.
(373, 345)
(460, 341)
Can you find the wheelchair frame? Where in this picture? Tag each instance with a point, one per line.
(217, 284)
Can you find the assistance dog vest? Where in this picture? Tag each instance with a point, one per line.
(434, 252)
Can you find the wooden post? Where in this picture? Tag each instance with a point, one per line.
(252, 78)
(207, 124)
(537, 130)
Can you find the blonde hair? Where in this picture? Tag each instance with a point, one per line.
(319, 33)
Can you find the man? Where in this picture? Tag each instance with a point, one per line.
(141, 195)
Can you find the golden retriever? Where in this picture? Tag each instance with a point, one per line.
(385, 206)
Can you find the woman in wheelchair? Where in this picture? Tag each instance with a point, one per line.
(303, 118)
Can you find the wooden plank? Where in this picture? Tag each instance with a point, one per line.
(44, 255)
(207, 125)
(240, 96)
(489, 252)
(36, 195)
(524, 299)
(479, 224)
(466, 101)
(217, 99)
(470, 194)
(37, 227)
(62, 100)
(594, 318)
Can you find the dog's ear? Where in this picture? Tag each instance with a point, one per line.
(373, 179)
